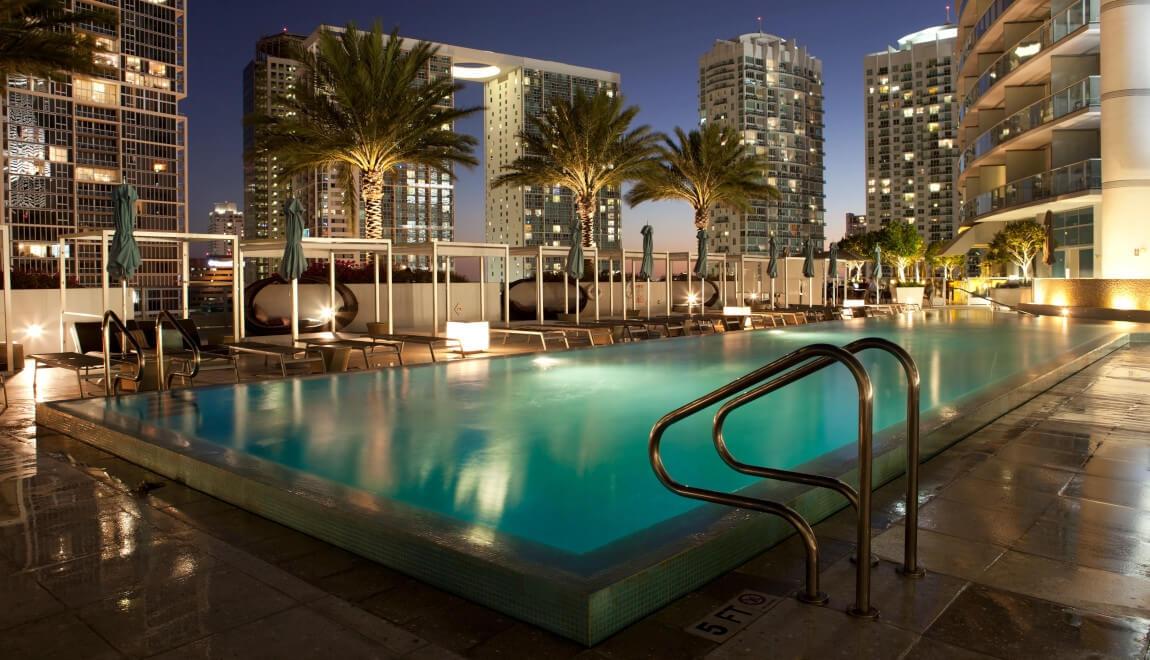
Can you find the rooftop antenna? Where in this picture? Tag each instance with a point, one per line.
(948, 14)
(760, 24)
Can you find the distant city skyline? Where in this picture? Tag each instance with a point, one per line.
(652, 45)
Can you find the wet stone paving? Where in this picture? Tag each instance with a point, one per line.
(1035, 533)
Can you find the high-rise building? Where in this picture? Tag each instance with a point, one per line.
(228, 220)
(771, 91)
(71, 142)
(911, 121)
(268, 79)
(533, 215)
(1054, 98)
(419, 204)
(856, 225)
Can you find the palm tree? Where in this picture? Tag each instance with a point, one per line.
(370, 105)
(38, 38)
(704, 168)
(585, 144)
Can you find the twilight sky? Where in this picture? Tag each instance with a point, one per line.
(653, 44)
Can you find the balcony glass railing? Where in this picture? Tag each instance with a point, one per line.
(1061, 25)
(1077, 177)
(988, 18)
(1086, 93)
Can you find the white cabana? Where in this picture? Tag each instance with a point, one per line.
(6, 257)
(314, 248)
(104, 238)
(541, 252)
(634, 258)
(691, 258)
(449, 252)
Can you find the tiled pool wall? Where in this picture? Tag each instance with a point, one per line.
(587, 611)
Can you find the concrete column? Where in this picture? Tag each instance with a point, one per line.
(1124, 250)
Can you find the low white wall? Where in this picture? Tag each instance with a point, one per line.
(36, 315)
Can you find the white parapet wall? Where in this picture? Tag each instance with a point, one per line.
(36, 315)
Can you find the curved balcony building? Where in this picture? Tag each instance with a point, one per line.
(911, 116)
(1053, 118)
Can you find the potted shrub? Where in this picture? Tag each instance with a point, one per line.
(902, 246)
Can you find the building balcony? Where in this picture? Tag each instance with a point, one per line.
(1016, 200)
(1059, 34)
(1078, 106)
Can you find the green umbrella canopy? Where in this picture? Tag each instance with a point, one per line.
(809, 259)
(575, 257)
(647, 268)
(293, 263)
(124, 256)
(773, 264)
(701, 263)
(833, 261)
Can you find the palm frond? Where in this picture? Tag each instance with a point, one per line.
(704, 168)
(42, 38)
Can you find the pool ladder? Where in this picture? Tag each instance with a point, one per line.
(785, 371)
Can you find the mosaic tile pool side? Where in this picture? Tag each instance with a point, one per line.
(586, 610)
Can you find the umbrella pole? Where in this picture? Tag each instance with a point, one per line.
(390, 293)
(295, 310)
(124, 299)
(331, 288)
(649, 296)
(667, 276)
(611, 284)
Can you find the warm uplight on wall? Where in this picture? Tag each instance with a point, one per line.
(34, 331)
(325, 314)
(1066, 311)
(692, 299)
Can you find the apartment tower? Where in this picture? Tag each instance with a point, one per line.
(771, 91)
(1054, 99)
(225, 219)
(71, 142)
(911, 121)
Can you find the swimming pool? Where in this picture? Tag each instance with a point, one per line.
(533, 470)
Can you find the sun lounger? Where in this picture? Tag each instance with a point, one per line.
(88, 339)
(378, 332)
(542, 333)
(367, 346)
(284, 355)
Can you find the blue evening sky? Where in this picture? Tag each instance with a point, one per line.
(653, 44)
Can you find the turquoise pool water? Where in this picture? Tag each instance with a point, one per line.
(552, 449)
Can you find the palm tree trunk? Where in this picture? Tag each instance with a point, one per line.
(371, 188)
(585, 209)
(702, 217)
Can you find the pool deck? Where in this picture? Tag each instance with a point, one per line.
(1035, 534)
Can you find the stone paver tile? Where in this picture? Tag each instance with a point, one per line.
(1124, 450)
(1089, 546)
(997, 495)
(58, 637)
(1088, 588)
(437, 616)
(1010, 625)
(148, 565)
(22, 599)
(651, 639)
(362, 581)
(1118, 469)
(1111, 491)
(526, 641)
(930, 649)
(295, 633)
(912, 604)
(1034, 477)
(940, 553)
(391, 636)
(970, 521)
(794, 630)
(1027, 454)
(168, 614)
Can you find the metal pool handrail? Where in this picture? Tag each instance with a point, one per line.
(811, 594)
(910, 566)
(190, 341)
(112, 381)
(996, 302)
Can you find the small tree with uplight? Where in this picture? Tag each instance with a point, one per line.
(1019, 243)
(902, 246)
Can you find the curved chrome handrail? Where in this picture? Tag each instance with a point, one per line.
(811, 594)
(910, 565)
(112, 381)
(189, 341)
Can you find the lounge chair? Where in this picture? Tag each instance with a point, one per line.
(87, 361)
